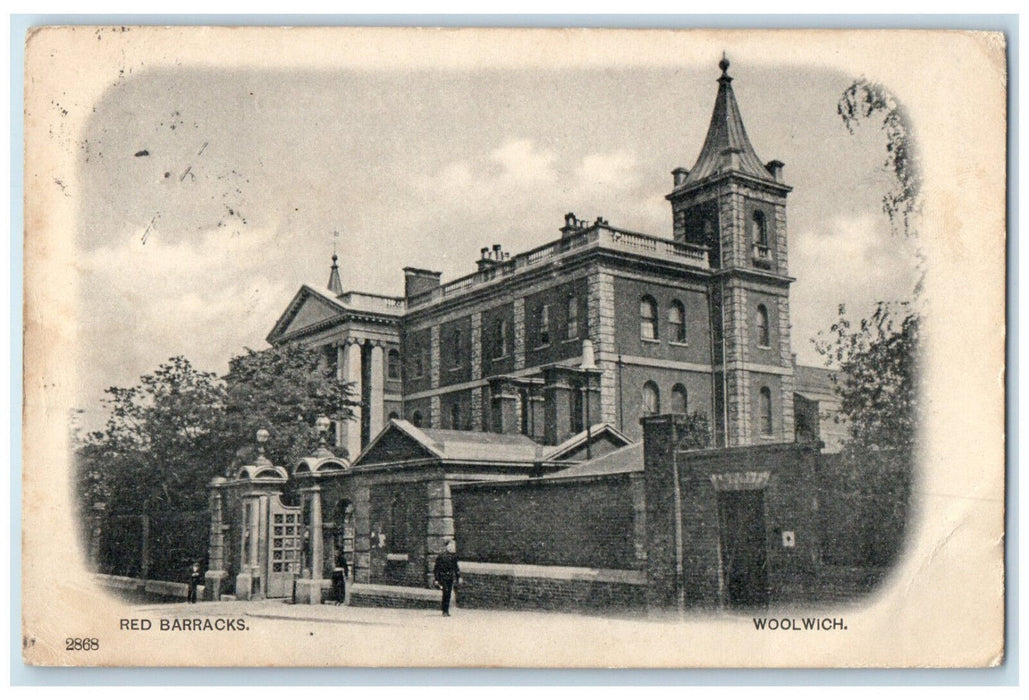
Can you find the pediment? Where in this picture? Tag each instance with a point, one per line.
(398, 442)
(307, 309)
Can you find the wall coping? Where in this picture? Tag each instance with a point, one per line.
(562, 573)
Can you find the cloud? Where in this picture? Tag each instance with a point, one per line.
(851, 259)
(143, 303)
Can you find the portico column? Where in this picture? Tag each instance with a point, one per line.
(375, 398)
(352, 374)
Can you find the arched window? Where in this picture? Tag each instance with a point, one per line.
(393, 415)
(760, 229)
(765, 410)
(763, 336)
(416, 419)
(648, 318)
(573, 318)
(679, 399)
(677, 322)
(393, 365)
(455, 416)
(651, 399)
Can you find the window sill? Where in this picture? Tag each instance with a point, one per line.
(396, 557)
(678, 344)
(764, 347)
(570, 340)
(655, 341)
(541, 347)
(498, 359)
(456, 369)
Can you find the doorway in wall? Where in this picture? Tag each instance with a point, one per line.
(741, 519)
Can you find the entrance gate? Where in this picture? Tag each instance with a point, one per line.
(284, 547)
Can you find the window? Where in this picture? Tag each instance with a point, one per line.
(416, 419)
(679, 399)
(455, 416)
(500, 338)
(763, 337)
(417, 362)
(677, 322)
(543, 325)
(651, 399)
(765, 410)
(393, 415)
(648, 318)
(759, 229)
(393, 365)
(455, 348)
(573, 318)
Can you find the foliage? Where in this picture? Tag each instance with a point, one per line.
(161, 443)
(167, 436)
(877, 377)
(862, 100)
(877, 382)
(283, 390)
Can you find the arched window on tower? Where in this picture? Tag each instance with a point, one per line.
(760, 229)
(763, 335)
(393, 365)
(648, 318)
(416, 419)
(573, 318)
(679, 399)
(677, 322)
(651, 399)
(500, 338)
(759, 235)
(765, 410)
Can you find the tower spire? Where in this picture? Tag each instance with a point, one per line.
(335, 285)
(727, 146)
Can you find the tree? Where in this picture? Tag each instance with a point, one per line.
(877, 381)
(863, 99)
(283, 390)
(179, 427)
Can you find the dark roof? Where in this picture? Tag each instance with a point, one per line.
(814, 382)
(622, 461)
(727, 146)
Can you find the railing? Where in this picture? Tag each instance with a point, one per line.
(360, 301)
(597, 236)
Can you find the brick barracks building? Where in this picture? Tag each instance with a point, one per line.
(533, 410)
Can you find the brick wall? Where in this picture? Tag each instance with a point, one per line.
(585, 523)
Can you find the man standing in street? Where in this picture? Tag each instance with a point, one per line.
(446, 573)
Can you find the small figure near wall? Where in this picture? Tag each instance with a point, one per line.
(446, 574)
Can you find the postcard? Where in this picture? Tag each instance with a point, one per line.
(568, 348)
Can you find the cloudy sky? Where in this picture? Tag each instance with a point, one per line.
(196, 246)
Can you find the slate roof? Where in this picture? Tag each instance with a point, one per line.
(622, 461)
(727, 146)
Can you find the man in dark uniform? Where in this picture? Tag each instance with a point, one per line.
(339, 579)
(446, 573)
(195, 577)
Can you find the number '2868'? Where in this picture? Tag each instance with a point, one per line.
(81, 644)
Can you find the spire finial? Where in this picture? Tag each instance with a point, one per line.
(724, 65)
(335, 285)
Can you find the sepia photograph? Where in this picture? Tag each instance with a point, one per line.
(514, 347)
